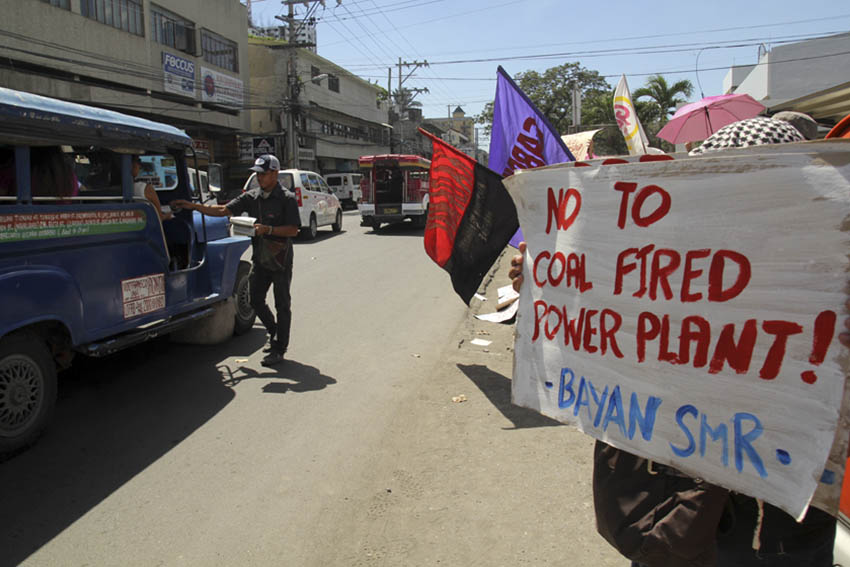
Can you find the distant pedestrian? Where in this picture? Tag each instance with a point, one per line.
(276, 211)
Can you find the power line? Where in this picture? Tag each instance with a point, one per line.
(442, 88)
(645, 50)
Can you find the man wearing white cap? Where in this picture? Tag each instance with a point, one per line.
(276, 211)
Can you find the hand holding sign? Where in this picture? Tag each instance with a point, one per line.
(690, 318)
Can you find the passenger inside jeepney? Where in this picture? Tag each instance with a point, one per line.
(389, 184)
(7, 173)
(52, 175)
(144, 190)
(52, 178)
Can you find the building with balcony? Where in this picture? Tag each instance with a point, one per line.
(181, 62)
(337, 116)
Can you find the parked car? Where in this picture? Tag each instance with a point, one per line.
(317, 205)
(346, 187)
(86, 266)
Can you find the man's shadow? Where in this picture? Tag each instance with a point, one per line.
(497, 388)
(303, 377)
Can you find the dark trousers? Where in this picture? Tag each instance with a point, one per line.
(784, 542)
(260, 280)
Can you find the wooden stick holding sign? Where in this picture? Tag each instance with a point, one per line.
(687, 310)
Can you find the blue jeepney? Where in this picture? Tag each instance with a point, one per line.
(86, 263)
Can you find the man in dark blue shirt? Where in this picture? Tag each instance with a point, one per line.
(276, 211)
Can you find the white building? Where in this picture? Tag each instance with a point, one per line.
(809, 76)
(306, 33)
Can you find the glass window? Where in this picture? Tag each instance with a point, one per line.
(98, 173)
(305, 182)
(220, 51)
(314, 183)
(334, 181)
(125, 15)
(170, 29)
(285, 180)
(333, 83)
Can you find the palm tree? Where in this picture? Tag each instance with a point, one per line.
(597, 111)
(404, 99)
(663, 95)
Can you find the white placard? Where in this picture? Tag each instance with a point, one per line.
(220, 88)
(143, 295)
(688, 311)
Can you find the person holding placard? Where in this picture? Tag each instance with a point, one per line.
(660, 522)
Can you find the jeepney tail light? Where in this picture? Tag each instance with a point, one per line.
(298, 195)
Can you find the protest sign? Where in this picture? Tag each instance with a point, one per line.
(687, 310)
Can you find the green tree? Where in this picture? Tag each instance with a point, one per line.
(597, 111)
(664, 96)
(551, 92)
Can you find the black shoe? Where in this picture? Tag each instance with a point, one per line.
(272, 359)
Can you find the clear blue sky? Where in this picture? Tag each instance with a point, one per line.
(368, 36)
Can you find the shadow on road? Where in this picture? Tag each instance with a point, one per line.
(405, 228)
(323, 233)
(497, 388)
(304, 378)
(114, 418)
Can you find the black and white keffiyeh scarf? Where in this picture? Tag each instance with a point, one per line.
(750, 132)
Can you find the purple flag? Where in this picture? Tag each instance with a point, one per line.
(521, 137)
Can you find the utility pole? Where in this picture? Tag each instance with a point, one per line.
(293, 84)
(250, 16)
(576, 114)
(415, 91)
(291, 91)
(390, 102)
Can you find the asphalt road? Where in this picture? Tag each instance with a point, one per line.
(351, 453)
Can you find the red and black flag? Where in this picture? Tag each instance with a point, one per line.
(471, 217)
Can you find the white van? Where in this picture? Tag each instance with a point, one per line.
(317, 205)
(346, 186)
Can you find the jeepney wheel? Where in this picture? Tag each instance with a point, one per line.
(245, 314)
(27, 390)
(313, 230)
(337, 226)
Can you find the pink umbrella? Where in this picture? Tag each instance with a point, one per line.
(699, 120)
